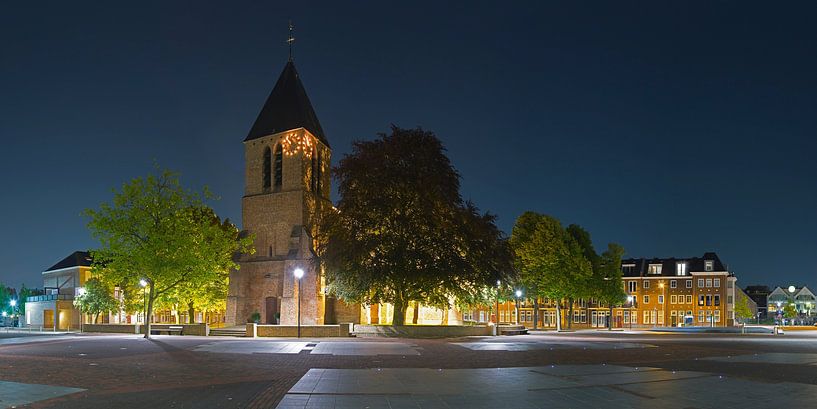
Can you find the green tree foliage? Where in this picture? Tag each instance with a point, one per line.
(609, 287)
(156, 230)
(549, 261)
(5, 298)
(742, 310)
(96, 299)
(789, 311)
(401, 231)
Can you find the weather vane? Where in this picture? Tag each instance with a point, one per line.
(290, 39)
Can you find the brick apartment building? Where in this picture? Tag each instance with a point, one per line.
(694, 291)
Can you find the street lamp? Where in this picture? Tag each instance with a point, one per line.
(663, 304)
(498, 284)
(299, 273)
(144, 283)
(518, 294)
(630, 313)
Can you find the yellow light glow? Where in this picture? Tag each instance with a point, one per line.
(296, 142)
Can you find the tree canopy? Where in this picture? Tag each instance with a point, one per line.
(401, 232)
(156, 230)
(96, 299)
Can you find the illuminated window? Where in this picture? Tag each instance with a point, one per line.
(654, 269)
(646, 284)
(632, 286)
(673, 299)
(660, 299)
(267, 169)
(673, 284)
(717, 283)
(646, 299)
(689, 299)
(709, 265)
(681, 269)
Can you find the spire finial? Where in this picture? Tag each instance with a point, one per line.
(291, 39)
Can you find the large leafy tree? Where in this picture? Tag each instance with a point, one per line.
(549, 261)
(156, 230)
(96, 299)
(742, 310)
(609, 287)
(402, 233)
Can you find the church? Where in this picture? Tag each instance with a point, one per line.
(286, 184)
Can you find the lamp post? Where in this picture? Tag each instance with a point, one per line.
(13, 304)
(496, 318)
(299, 273)
(144, 284)
(663, 304)
(518, 294)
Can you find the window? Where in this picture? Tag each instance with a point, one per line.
(673, 299)
(701, 316)
(660, 299)
(717, 315)
(708, 300)
(700, 300)
(627, 269)
(267, 169)
(660, 319)
(729, 300)
(689, 300)
(632, 286)
(646, 299)
(717, 300)
(717, 283)
(681, 269)
(709, 265)
(708, 283)
(689, 283)
(279, 166)
(646, 284)
(673, 284)
(700, 283)
(646, 317)
(728, 283)
(654, 269)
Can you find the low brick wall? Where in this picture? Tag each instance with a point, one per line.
(307, 331)
(189, 329)
(422, 331)
(113, 328)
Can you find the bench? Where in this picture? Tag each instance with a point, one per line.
(171, 330)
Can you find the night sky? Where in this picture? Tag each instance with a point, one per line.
(673, 129)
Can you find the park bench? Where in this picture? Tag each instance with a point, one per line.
(171, 330)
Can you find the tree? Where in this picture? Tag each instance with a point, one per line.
(548, 259)
(790, 311)
(609, 287)
(402, 233)
(742, 310)
(157, 231)
(96, 299)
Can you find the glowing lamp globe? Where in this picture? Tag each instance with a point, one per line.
(298, 273)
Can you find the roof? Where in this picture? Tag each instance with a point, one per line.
(668, 269)
(76, 259)
(287, 108)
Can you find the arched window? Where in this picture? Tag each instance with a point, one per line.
(267, 169)
(279, 167)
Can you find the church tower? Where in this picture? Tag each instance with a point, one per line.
(287, 158)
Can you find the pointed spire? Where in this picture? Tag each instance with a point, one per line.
(287, 107)
(291, 40)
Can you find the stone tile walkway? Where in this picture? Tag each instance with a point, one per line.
(770, 358)
(345, 348)
(558, 386)
(538, 346)
(14, 394)
(252, 347)
(365, 348)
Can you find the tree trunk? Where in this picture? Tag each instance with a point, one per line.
(535, 312)
(191, 313)
(570, 313)
(149, 312)
(416, 316)
(445, 316)
(399, 313)
(558, 315)
(95, 318)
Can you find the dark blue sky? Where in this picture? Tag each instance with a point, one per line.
(673, 129)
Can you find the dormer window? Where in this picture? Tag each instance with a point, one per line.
(681, 268)
(709, 265)
(654, 269)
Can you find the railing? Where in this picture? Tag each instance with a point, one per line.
(50, 297)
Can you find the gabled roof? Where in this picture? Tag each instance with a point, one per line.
(287, 107)
(76, 259)
(668, 269)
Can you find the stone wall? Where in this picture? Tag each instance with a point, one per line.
(307, 331)
(113, 328)
(421, 331)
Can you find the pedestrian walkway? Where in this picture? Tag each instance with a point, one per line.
(14, 394)
(556, 386)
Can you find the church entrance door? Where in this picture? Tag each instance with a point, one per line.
(272, 310)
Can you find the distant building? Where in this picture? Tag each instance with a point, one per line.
(802, 297)
(759, 294)
(61, 283)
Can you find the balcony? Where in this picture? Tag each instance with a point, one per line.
(50, 297)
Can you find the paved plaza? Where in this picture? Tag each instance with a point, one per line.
(566, 370)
